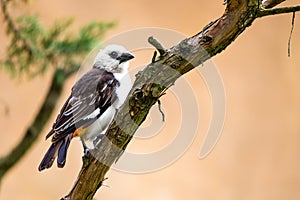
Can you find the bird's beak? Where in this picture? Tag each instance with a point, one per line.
(125, 57)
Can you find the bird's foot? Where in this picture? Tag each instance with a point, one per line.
(86, 151)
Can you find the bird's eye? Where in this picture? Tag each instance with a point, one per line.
(113, 54)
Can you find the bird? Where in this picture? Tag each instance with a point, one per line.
(92, 104)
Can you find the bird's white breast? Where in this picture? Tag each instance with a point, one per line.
(124, 88)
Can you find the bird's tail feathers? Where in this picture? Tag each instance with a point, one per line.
(62, 152)
(58, 150)
(50, 156)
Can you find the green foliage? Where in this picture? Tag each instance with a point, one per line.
(33, 49)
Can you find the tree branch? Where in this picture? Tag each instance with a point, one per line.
(271, 3)
(276, 11)
(35, 129)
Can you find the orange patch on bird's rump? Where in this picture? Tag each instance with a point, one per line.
(80, 131)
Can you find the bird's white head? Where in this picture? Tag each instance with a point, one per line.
(113, 58)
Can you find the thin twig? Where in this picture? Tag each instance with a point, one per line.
(271, 3)
(276, 11)
(154, 42)
(160, 110)
(290, 37)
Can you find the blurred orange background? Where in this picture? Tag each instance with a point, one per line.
(258, 154)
